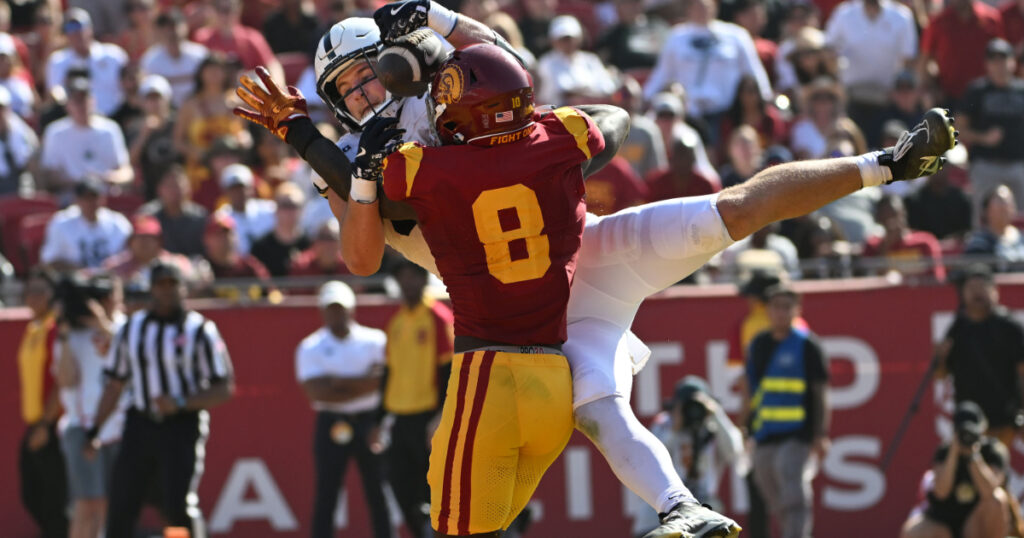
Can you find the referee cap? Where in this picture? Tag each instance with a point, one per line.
(336, 292)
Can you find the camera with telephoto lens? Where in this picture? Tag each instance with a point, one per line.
(969, 423)
(74, 291)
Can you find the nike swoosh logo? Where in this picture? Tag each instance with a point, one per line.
(395, 10)
(362, 151)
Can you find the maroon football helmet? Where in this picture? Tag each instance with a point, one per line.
(481, 95)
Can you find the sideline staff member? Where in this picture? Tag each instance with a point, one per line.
(339, 367)
(178, 367)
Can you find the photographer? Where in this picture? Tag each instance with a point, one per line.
(701, 440)
(984, 354)
(91, 313)
(965, 496)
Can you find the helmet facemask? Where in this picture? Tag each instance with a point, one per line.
(328, 90)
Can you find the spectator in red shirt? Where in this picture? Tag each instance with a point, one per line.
(955, 40)
(221, 253)
(912, 254)
(615, 187)
(324, 257)
(681, 178)
(227, 34)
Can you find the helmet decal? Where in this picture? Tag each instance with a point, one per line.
(450, 85)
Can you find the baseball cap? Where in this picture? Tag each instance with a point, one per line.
(999, 47)
(146, 225)
(219, 222)
(565, 26)
(163, 270)
(780, 290)
(78, 85)
(906, 80)
(759, 282)
(336, 292)
(667, 103)
(7, 47)
(90, 184)
(235, 174)
(76, 19)
(155, 84)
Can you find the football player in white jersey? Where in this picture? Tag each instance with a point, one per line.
(625, 257)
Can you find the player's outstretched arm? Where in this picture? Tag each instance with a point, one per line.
(613, 122)
(399, 18)
(795, 189)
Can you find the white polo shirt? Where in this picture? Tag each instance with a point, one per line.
(323, 354)
(709, 62)
(78, 150)
(874, 50)
(104, 64)
(180, 71)
(73, 239)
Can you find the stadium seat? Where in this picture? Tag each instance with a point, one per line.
(33, 232)
(293, 63)
(13, 210)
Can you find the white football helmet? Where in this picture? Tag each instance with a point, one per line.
(350, 41)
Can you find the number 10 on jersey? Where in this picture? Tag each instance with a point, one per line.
(520, 201)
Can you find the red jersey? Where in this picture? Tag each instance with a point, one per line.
(615, 187)
(504, 223)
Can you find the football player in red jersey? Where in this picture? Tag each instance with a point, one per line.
(501, 208)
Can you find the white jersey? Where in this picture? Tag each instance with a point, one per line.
(71, 238)
(80, 401)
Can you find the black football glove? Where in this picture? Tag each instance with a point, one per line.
(918, 152)
(380, 137)
(399, 18)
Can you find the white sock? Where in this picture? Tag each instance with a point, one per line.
(872, 173)
(639, 460)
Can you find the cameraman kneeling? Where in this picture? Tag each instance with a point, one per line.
(701, 440)
(965, 498)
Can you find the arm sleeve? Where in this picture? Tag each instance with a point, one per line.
(662, 73)
(814, 358)
(753, 65)
(120, 366)
(587, 137)
(214, 361)
(401, 171)
(909, 45)
(306, 364)
(55, 245)
(118, 146)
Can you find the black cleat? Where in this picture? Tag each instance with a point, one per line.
(919, 151)
(692, 520)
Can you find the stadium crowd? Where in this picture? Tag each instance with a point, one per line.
(120, 150)
(119, 145)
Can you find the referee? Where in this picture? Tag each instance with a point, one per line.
(177, 367)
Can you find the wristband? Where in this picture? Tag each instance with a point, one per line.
(441, 19)
(872, 173)
(363, 191)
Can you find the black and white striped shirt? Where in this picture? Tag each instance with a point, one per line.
(174, 357)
